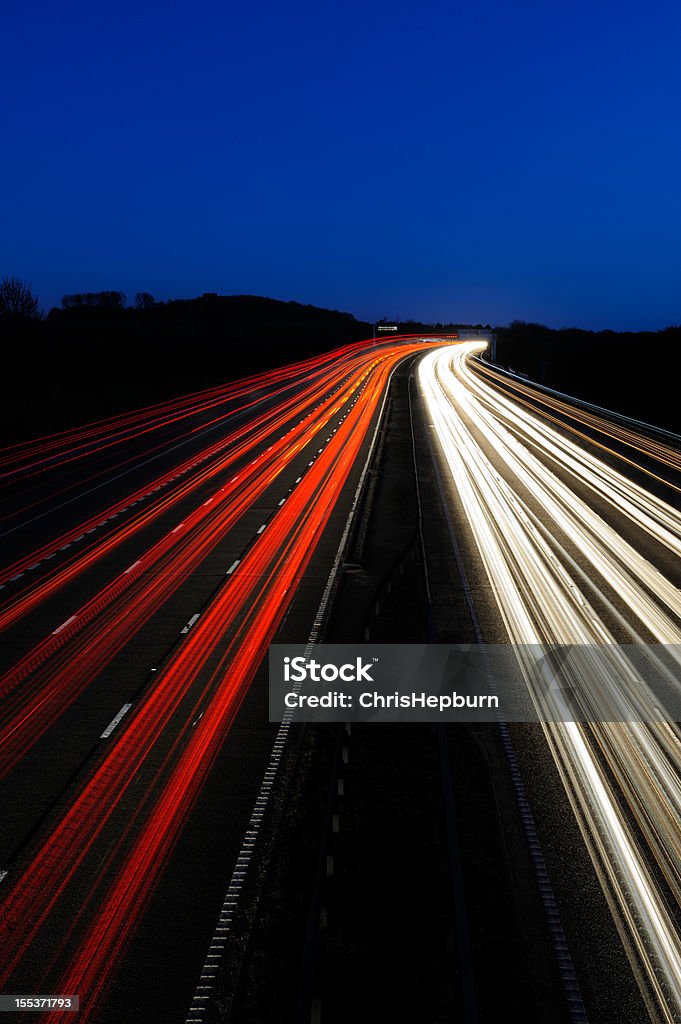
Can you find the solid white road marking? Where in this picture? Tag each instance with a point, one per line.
(114, 722)
(63, 625)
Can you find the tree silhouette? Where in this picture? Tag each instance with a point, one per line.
(17, 301)
(94, 300)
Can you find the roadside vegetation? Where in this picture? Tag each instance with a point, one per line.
(635, 373)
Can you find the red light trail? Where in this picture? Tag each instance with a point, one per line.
(107, 847)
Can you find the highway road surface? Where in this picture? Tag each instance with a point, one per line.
(149, 561)
(573, 516)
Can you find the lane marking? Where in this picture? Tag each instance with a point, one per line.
(191, 622)
(233, 567)
(197, 461)
(114, 722)
(230, 903)
(262, 527)
(131, 567)
(63, 625)
(143, 497)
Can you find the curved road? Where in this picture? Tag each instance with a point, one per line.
(151, 561)
(577, 552)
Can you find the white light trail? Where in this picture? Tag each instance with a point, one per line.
(561, 572)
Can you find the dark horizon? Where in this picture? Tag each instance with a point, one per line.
(129, 300)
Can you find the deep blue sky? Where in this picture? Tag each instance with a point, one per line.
(479, 161)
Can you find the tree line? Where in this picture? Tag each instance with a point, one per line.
(18, 302)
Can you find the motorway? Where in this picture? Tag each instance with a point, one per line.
(572, 519)
(149, 562)
(150, 559)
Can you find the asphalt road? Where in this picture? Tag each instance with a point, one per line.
(150, 562)
(151, 559)
(565, 546)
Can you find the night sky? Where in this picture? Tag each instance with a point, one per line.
(445, 161)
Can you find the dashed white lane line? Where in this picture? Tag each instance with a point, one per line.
(63, 625)
(131, 567)
(282, 502)
(233, 567)
(178, 527)
(191, 622)
(264, 525)
(114, 722)
(3, 874)
(115, 515)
